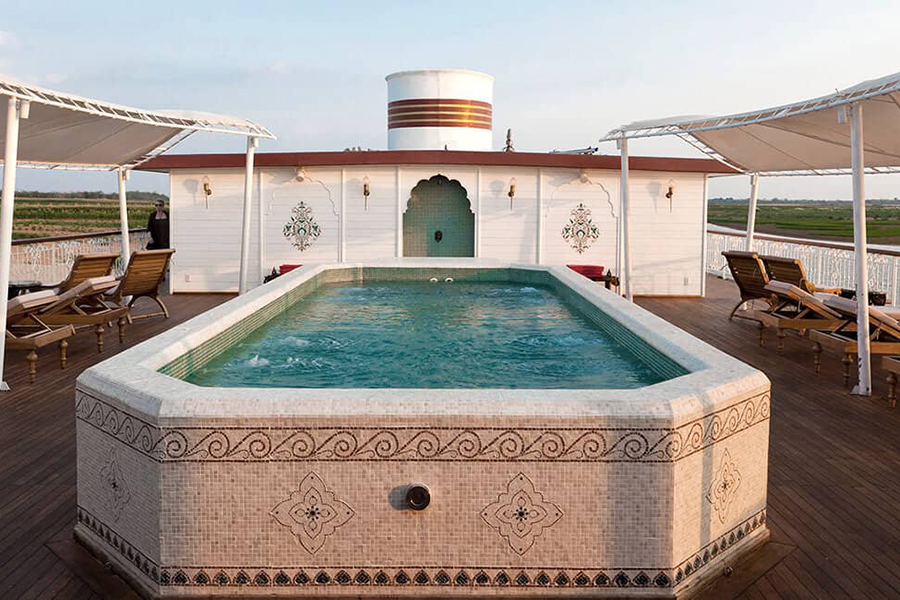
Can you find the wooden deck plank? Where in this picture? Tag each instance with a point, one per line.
(833, 461)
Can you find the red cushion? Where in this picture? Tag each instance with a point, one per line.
(288, 268)
(589, 271)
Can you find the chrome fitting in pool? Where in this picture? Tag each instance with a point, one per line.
(418, 496)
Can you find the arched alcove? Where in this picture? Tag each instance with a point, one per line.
(438, 220)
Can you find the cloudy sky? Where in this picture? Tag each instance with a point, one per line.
(566, 72)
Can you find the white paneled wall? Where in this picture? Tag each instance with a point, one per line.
(666, 243)
(562, 192)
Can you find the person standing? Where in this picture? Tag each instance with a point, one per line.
(158, 226)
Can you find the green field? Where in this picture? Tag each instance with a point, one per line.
(46, 217)
(826, 220)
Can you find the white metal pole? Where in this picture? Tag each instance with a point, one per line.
(342, 229)
(704, 240)
(477, 213)
(540, 217)
(864, 388)
(14, 109)
(244, 284)
(123, 219)
(261, 236)
(399, 224)
(751, 210)
(626, 244)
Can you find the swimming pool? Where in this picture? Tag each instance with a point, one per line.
(331, 485)
(431, 335)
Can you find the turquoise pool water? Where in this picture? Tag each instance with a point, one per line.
(428, 335)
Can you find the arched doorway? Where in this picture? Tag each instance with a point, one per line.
(438, 220)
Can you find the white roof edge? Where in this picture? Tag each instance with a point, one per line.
(427, 71)
(184, 120)
(675, 125)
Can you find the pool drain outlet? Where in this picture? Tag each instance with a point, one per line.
(418, 496)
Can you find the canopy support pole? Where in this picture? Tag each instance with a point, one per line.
(751, 210)
(260, 238)
(864, 387)
(626, 242)
(244, 284)
(15, 109)
(123, 219)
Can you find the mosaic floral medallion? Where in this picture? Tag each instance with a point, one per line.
(724, 487)
(521, 514)
(302, 229)
(312, 513)
(115, 489)
(580, 231)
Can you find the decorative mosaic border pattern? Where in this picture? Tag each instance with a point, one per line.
(692, 564)
(119, 544)
(445, 444)
(424, 576)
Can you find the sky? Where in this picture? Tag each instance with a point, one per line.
(565, 72)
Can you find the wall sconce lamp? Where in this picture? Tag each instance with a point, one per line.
(670, 192)
(366, 191)
(583, 176)
(301, 175)
(512, 191)
(207, 190)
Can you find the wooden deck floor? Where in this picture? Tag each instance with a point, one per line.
(834, 470)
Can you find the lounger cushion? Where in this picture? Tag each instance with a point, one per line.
(28, 300)
(798, 294)
(87, 286)
(848, 306)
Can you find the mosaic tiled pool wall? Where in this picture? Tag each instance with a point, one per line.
(529, 502)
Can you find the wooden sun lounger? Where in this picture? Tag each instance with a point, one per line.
(142, 279)
(800, 311)
(26, 331)
(884, 334)
(86, 266)
(82, 307)
(750, 275)
(790, 270)
(891, 364)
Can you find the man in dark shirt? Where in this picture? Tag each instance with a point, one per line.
(158, 226)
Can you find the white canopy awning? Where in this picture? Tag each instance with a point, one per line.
(71, 132)
(823, 136)
(52, 130)
(809, 137)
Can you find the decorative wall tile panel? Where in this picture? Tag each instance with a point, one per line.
(580, 232)
(302, 230)
(520, 514)
(116, 491)
(724, 487)
(312, 513)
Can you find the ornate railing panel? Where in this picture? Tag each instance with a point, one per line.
(50, 259)
(828, 264)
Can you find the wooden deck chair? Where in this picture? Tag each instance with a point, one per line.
(26, 331)
(86, 266)
(884, 333)
(798, 310)
(790, 270)
(750, 275)
(891, 364)
(83, 308)
(145, 273)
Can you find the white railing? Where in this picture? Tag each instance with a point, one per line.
(827, 264)
(49, 259)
